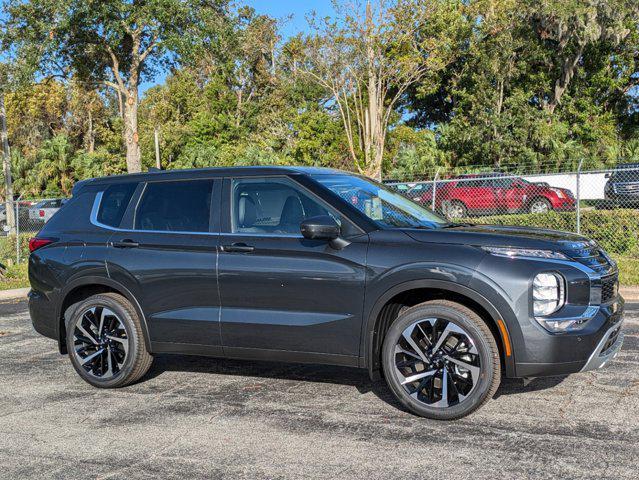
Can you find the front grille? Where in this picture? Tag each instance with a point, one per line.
(611, 340)
(609, 288)
(629, 188)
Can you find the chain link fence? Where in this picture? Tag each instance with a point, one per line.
(24, 220)
(602, 204)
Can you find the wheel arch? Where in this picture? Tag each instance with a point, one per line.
(83, 287)
(390, 304)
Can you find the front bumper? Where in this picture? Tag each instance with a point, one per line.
(564, 354)
(607, 348)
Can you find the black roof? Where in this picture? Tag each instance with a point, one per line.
(213, 171)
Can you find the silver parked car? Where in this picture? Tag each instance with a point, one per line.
(45, 209)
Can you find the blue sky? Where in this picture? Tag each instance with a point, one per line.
(279, 9)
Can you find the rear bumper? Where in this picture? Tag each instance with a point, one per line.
(42, 314)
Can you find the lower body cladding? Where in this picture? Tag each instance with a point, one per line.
(549, 354)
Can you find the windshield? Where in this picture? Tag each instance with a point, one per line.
(379, 203)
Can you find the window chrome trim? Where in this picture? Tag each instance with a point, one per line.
(96, 208)
(94, 220)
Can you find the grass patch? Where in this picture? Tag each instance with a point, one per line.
(16, 276)
(628, 269)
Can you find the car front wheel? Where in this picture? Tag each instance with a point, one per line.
(540, 205)
(441, 360)
(105, 341)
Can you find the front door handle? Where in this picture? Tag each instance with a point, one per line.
(238, 247)
(127, 243)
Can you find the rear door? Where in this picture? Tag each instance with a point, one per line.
(283, 296)
(166, 253)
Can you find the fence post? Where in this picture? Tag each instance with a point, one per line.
(17, 207)
(578, 209)
(435, 189)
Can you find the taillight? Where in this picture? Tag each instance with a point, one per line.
(42, 213)
(39, 242)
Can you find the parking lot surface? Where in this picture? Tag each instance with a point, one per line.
(196, 417)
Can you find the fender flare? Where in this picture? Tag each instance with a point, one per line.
(372, 363)
(90, 280)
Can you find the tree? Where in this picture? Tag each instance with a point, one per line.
(112, 42)
(17, 68)
(571, 26)
(366, 59)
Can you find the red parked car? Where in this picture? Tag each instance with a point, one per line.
(496, 194)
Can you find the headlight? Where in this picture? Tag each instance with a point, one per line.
(548, 297)
(525, 252)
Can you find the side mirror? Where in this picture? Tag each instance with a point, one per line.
(607, 175)
(322, 227)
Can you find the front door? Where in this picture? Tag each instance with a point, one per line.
(167, 256)
(283, 296)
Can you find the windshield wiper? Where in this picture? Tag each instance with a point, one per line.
(454, 225)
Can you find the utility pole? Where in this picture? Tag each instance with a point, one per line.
(6, 167)
(158, 163)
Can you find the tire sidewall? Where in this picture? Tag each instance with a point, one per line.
(72, 317)
(482, 343)
(540, 201)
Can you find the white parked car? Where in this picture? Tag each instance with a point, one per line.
(44, 210)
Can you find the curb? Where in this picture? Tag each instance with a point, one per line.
(14, 293)
(630, 294)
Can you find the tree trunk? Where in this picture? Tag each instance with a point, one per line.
(567, 72)
(6, 167)
(90, 138)
(131, 139)
(373, 138)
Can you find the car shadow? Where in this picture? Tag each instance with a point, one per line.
(354, 377)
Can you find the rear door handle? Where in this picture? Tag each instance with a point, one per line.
(125, 244)
(238, 247)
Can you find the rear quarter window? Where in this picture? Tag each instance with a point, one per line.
(115, 200)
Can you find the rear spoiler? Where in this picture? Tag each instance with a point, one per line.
(79, 185)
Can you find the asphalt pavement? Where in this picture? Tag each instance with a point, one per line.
(196, 417)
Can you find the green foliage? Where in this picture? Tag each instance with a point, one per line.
(512, 84)
(8, 248)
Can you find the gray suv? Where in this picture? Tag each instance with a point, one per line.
(320, 266)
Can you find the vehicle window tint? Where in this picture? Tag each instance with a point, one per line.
(115, 199)
(272, 206)
(474, 183)
(503, 182)
(183, 206)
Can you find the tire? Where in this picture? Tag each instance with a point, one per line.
(456, 210)
(475, 347)
(118, 353)
(539, 205)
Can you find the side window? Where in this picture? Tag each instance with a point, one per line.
(115, 199)
(272, 206)
(175, 206)
(501, 182)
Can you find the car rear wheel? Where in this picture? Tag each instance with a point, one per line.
(540, 205)
(441, 360)
(105, 341)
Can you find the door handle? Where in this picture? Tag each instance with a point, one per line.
(126, 243)
(238, 247)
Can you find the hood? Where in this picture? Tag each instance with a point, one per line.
(574, 246)
(501, 236)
